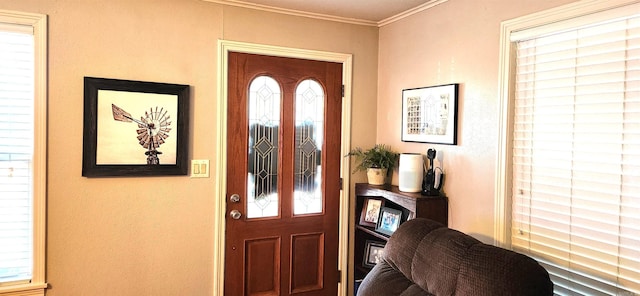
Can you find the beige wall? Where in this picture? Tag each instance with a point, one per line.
(455, 42)
(154, 236)
(111, 236)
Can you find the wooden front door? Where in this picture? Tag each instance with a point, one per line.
(283, 176)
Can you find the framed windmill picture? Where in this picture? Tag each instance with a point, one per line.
(134, 128)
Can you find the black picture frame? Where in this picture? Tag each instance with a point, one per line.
(371, 211)
(430, 114)
(373, 251)
(389, 220)
(122, 116)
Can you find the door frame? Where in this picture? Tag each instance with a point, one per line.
(220, 178)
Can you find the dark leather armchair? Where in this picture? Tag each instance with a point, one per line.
(423, 257)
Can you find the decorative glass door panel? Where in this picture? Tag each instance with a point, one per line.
(309, 120)
(264, 122)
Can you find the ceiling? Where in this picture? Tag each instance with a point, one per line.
(369, 12)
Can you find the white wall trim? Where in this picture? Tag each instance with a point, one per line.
(502, 184)
(294, 12)
(327, 17)
(502, 203)
(224, 47)
(410, 12)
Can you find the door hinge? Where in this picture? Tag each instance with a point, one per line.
(341, 184)
(339, 276)
(343, 90)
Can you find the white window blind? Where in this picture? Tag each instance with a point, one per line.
(16, 152)
(576, 156)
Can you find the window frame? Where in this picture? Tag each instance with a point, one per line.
(553, 20)
(506, 86)
(38, 22)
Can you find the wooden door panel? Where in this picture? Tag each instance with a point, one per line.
(262, 266)
(307, 263)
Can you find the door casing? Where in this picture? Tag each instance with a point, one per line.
(224, 47)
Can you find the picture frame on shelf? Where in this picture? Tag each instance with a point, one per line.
(389, 220)
(371, 211)
(430, 114)
(373, 251)
(134, 128)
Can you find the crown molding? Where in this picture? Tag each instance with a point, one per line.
(327, 17)
(410, 12)
(294, 12)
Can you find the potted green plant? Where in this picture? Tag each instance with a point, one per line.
(377, 162)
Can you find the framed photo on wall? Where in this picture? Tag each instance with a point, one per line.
(389, 220)
(430, 114)
(371, 211)
(134, 128)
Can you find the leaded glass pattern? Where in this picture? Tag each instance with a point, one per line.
(264, 121)
(309, 122)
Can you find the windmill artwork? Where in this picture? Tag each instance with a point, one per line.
(135, 128)
(153, 129)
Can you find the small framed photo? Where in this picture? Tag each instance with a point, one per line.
(389, 220)
(373, 251)
(430, 114)
(134, 128)
(371, 212)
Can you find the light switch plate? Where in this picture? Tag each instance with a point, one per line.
(199, 168)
